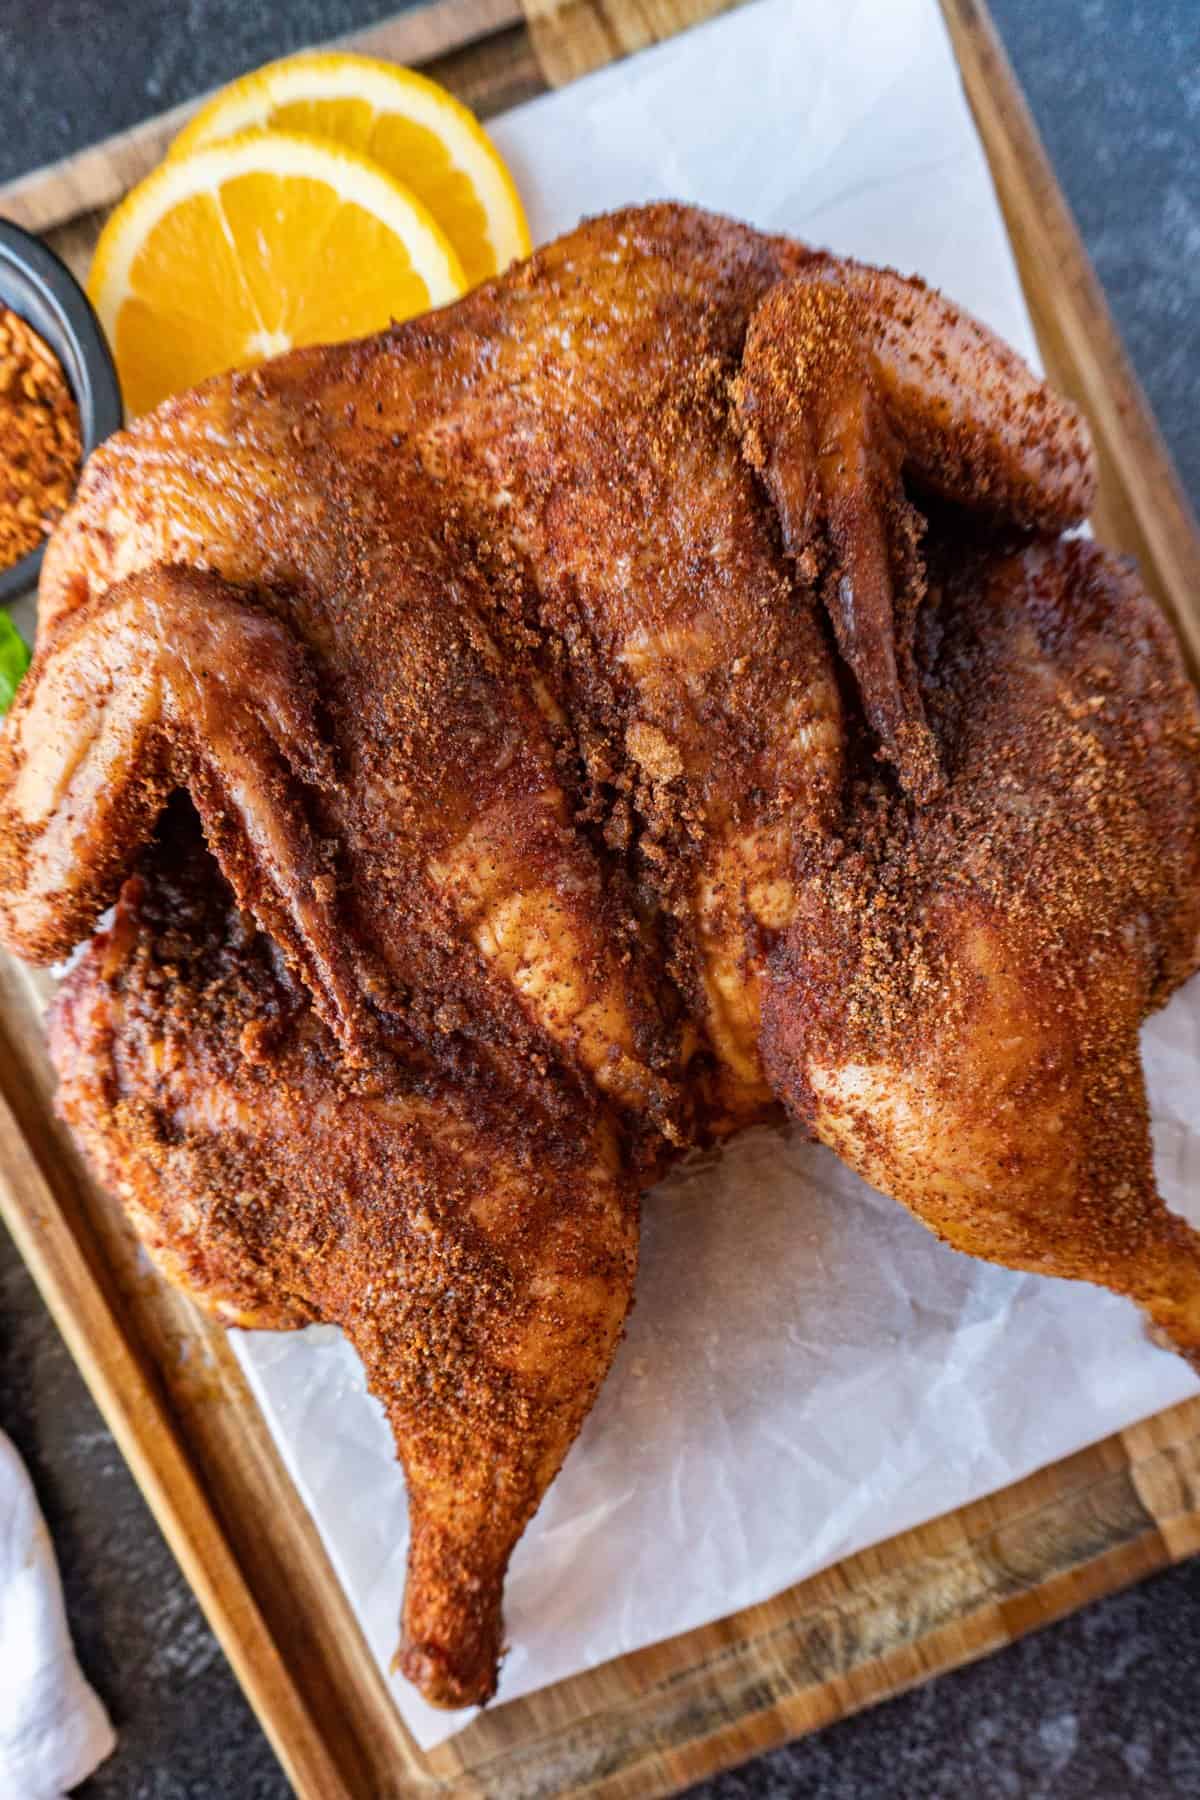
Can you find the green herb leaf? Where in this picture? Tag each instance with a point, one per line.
(14, 660)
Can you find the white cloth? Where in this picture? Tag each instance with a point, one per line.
(53, 1729)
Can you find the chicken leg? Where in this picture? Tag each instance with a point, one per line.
(479, 1255)
(956, 1009)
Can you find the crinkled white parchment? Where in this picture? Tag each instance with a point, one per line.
(806, 1371)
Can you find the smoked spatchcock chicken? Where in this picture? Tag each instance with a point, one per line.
(549, 735)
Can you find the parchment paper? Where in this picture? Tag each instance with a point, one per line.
(806, 1371)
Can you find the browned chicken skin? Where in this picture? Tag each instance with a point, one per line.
(478, 1248)
(494, 654)
(956, 1008)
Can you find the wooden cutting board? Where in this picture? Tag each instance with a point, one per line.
(175, 1398)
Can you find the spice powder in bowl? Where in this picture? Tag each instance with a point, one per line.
(40, 445)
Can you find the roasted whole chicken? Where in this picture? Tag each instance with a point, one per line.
(552, 734)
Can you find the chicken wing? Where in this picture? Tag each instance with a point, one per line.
(380, 787)
(853, 377)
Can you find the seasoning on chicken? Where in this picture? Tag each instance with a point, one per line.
(547, 834)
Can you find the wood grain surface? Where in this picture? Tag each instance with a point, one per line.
(166, 1380)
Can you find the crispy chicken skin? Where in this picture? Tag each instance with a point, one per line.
(379, 785)
(478, 1248)
(956, 1008)
(645, 691)
(852, 377)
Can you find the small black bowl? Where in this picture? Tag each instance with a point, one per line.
(34, 283)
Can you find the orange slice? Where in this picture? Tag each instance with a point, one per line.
(235, 253)
(409, 125)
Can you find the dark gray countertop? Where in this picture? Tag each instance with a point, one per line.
(1105, 1704)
